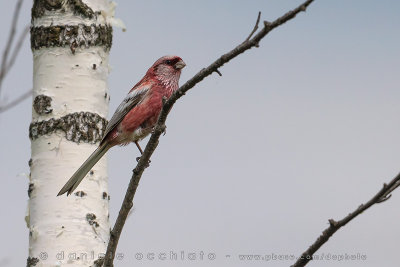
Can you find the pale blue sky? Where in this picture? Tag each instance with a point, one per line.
(303, 129)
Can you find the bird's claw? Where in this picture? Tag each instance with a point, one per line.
(148, 163)
(153, 130)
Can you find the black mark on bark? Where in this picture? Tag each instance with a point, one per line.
(78, 127)
(30, 189)
(106, 196)
(80, 194)
(31, 261)
(77, 6)
(71, 35)
(42, 104)
(90, 217)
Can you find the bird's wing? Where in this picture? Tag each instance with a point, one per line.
(131, 100)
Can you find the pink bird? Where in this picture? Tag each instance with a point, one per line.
(136, 116)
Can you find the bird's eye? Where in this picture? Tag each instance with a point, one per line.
(168, 62)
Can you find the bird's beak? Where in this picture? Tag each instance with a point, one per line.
(180, 64)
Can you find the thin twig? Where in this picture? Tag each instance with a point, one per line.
(160, 126)
(255, 26)
(381, 196)
(3, 68)
(16, 101)
(17, 48)
(6, 63)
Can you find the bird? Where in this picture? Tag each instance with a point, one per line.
(136, 116)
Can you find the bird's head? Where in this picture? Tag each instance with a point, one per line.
(167, 70)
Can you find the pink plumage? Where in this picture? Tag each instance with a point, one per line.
(136, 116)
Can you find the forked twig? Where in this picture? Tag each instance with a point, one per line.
(255, 27)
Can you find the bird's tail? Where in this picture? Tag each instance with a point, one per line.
(78, 176)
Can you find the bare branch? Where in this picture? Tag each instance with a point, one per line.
(3, 68)
(16, 101)
(382, 195)
(160, 126)
(6, 62)
(16, 50)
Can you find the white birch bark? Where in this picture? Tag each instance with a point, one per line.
(67, 79)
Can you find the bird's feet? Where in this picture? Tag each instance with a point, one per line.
(164, 130)
(148, 163)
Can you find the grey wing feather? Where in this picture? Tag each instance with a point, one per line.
(130, 101)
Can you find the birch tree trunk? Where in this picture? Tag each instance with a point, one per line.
(70, 41)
